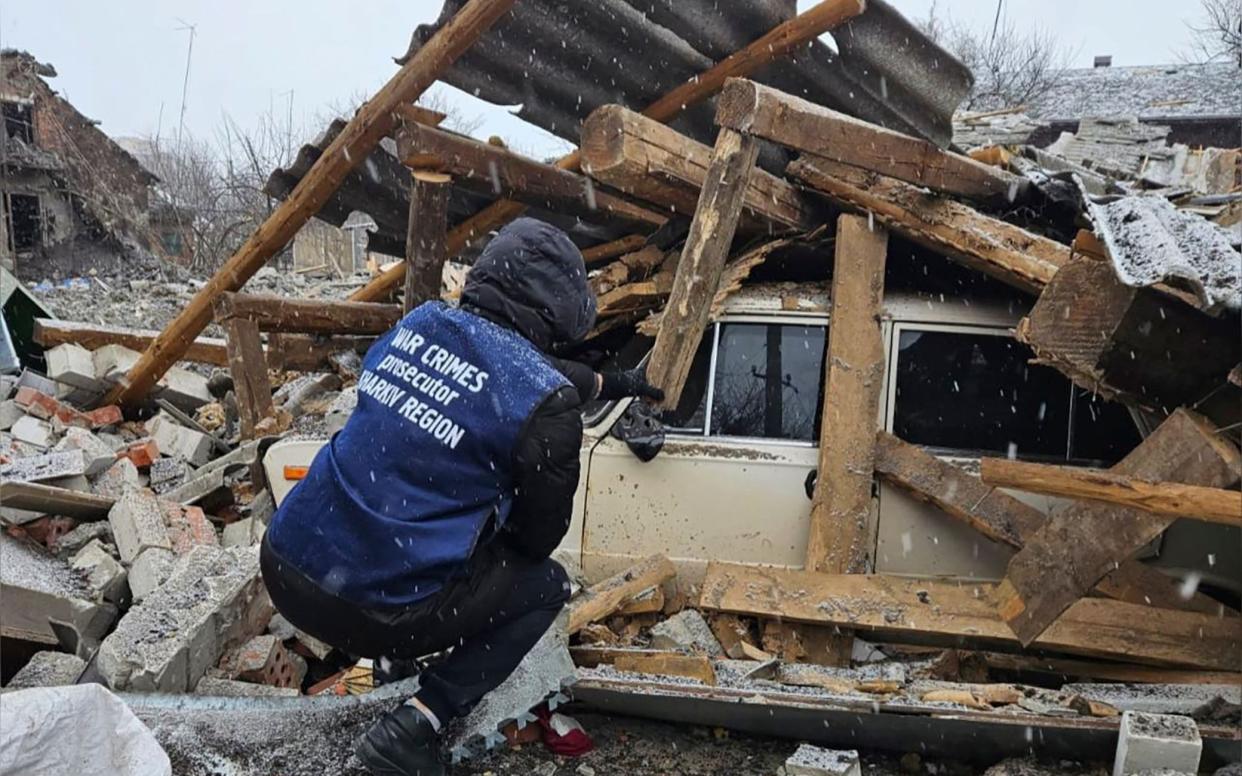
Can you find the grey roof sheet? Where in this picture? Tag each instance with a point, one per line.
(1151, 92)
(561, 61)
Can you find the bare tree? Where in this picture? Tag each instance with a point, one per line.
(1011, 67)
(1217, 33)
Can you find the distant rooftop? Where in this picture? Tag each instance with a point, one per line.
(1150, 92)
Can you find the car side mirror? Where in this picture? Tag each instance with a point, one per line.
(641, 430)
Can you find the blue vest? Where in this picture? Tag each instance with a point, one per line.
(395, 504)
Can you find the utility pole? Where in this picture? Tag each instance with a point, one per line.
(185, 84)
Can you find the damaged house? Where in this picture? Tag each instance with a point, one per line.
(71, 196)
(947, 466)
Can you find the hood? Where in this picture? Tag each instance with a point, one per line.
(532, 277)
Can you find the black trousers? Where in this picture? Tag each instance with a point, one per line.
(491, 619)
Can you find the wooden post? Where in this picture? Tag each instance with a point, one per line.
(371, 123)
(854, 371)
(1083, 542)
(776, 43)
(702, 261)
(310, 316)
(425, 249)
(249, 370)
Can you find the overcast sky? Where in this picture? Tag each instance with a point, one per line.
(122, 62)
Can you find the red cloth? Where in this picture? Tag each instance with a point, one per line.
(573, 742)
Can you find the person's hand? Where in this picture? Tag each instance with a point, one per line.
(631, 382)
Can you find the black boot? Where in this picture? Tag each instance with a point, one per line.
(402, 743)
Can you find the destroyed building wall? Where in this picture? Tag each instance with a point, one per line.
(322, 245)
(67, 187)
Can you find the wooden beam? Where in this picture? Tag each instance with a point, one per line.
(1003, 519)
(34, 497)
(841, 507)
(309, 316)
(1212, 505)
(697, 667)
(603, 599)
(638, 265)
(791, 121)
(1131, 343)
(498, 171)
(425, 250)
(782, 39)
(598, 254)
(1009, 253)
(248, 367)
(1082, 542)
(648, 160)
(702, 261)
(307, 353)
(50, 332)
(935, 612)
(361, 135)
(1098, 670)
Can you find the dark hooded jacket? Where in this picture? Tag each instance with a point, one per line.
(465, 433)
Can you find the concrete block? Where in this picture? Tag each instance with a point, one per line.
(42, 468)
(38, 588)
(112, 362)
(815, 761)
(168, 473)
(99, 454)
(177, 440)
(36, 381)
(8, 384)
(73, 365)
(185, 390)
(231, 688)
(138, 523)
(1156, 698)
(188, 527)
(539, 677)
(104, 574)
(1155, 741)
(212, 601)
(48, 669)
(10, 413)
(150, 570)
(113, 482)
(33, 431)
(243, 533)
(686, 630)
(80, 536)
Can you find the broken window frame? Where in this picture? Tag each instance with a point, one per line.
(16, 127)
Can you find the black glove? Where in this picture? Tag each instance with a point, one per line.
(632, 382)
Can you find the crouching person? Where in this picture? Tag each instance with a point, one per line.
(428, 521)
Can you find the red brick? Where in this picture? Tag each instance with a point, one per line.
(143, 453)
(104, 416)
(45, 407)
(188, 527)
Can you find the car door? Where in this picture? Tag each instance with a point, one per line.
(730, 483)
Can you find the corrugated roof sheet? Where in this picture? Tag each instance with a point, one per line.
(560, 61)
(1153, 92)
(380, 188)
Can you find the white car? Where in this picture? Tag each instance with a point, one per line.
(732, 481)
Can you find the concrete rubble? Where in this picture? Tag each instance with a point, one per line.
(811, 760)
(48, 669)
(1150, 742)
(688, 631)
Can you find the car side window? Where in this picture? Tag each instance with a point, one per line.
(976, 392)
(754, 380)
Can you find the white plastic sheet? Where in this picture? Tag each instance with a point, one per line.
(82, 730)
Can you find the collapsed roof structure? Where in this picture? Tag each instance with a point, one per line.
(707, 160)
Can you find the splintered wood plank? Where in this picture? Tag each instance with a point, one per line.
(775, 43)
(648, 160)
(702, 261)
(1003, 519)
(697, 667)
(1213, 505)
(841, 507)
(1081, 543)
(496, 170)
(1133, 343)
(944, 613)
(598, 254)
(361, 135)
(425, 246)
(309, 316)
(1009, 253)
(601, 600)
(248, 367)
(804, 126)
